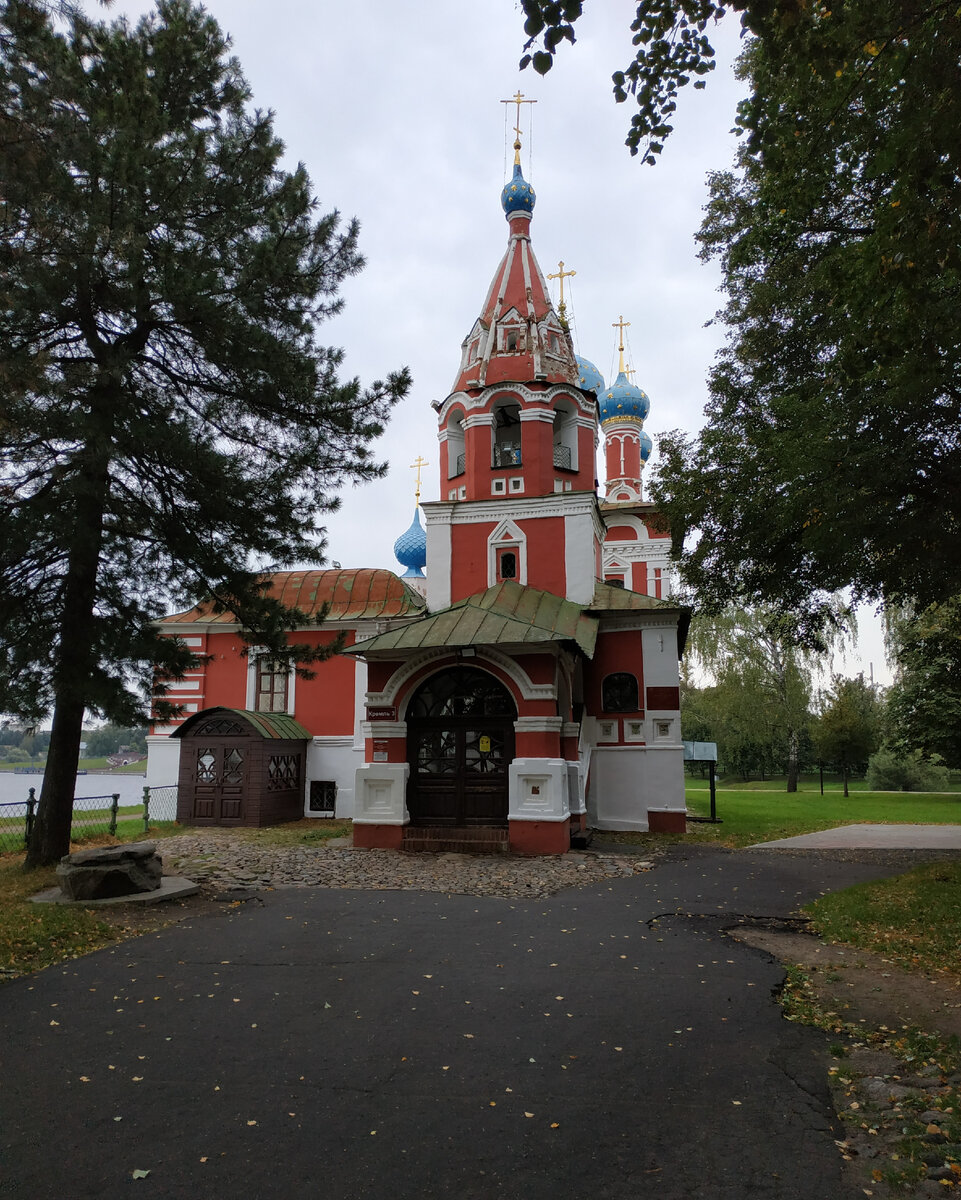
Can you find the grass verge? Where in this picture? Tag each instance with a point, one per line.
(912, 919)
(37, 935)
(915, 921)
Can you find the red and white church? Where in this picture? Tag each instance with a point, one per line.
(521, 690)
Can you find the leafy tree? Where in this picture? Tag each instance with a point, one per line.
(108, 739)
(763, 681)
(169, 424)
(848, 728)
(831, 454)
(924, 703)
(891, 772)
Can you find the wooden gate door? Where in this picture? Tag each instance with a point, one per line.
(460, 739)
(220, 777)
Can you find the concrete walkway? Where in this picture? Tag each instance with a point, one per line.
(873, 837)
(608, 1041)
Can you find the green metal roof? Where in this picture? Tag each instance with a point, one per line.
(268, 725)
(506, 614)
(619, 599)
(274, 725)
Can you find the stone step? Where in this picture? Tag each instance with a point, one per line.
(456, 839)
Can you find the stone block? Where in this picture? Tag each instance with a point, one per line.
(110, 871)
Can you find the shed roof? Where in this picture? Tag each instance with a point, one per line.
(352, 595)
(268, 725)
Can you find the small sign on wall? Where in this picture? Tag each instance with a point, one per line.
(387, 713)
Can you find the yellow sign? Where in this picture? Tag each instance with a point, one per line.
(484, 744)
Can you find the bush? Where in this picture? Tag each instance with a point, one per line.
(889, 772)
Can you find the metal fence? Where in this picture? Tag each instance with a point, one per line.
(107, 817)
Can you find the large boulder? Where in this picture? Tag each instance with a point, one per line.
(110, 871)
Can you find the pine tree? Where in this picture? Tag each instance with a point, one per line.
(169, 425)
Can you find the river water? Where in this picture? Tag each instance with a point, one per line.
(90, 791)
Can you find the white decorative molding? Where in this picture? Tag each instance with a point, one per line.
(384, 729)
(507, 536)
(519, 677)
(529, 395)
(379, 795)
(581, 537)
(538, 790)
(539, 725)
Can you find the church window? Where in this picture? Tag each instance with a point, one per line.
(271, 695)
(506, 552)
(497, 487)
(619, 693)
(517, 485)
(323, 796)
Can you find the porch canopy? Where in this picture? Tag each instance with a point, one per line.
(511, 614)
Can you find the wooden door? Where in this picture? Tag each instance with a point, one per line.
(460, 740)
(219, 776)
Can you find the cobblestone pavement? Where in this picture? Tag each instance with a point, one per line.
(224, 861)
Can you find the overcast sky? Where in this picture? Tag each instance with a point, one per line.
(395, 110)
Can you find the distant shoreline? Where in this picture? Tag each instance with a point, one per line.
(26, 769)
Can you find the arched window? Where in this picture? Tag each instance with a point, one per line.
(619, 693)
(506, 448)
(508, 565)
(565, 434)
(461, 692)
(456, 460)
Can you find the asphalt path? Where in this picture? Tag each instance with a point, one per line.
(607, 1042)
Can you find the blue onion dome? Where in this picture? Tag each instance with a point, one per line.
(518, 195)
(646, 445)
(410, 549)
(623, 399)
(588, 376)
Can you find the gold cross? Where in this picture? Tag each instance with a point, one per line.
(562, 275)
(418, 463)
(518, 99)
(621, 324)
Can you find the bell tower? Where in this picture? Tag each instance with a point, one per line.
(518, 435)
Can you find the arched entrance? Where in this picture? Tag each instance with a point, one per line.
(460, 743)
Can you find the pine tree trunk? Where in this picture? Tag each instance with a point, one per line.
(50, 838)
(793, 751)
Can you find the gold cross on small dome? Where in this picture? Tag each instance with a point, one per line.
(518, 99)
(417, 465)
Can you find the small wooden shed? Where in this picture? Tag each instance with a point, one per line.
(241, 768)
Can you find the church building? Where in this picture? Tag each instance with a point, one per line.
(521, 690)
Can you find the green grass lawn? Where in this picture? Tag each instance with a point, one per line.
(756, 816)
(806, 784)
(913, 919)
